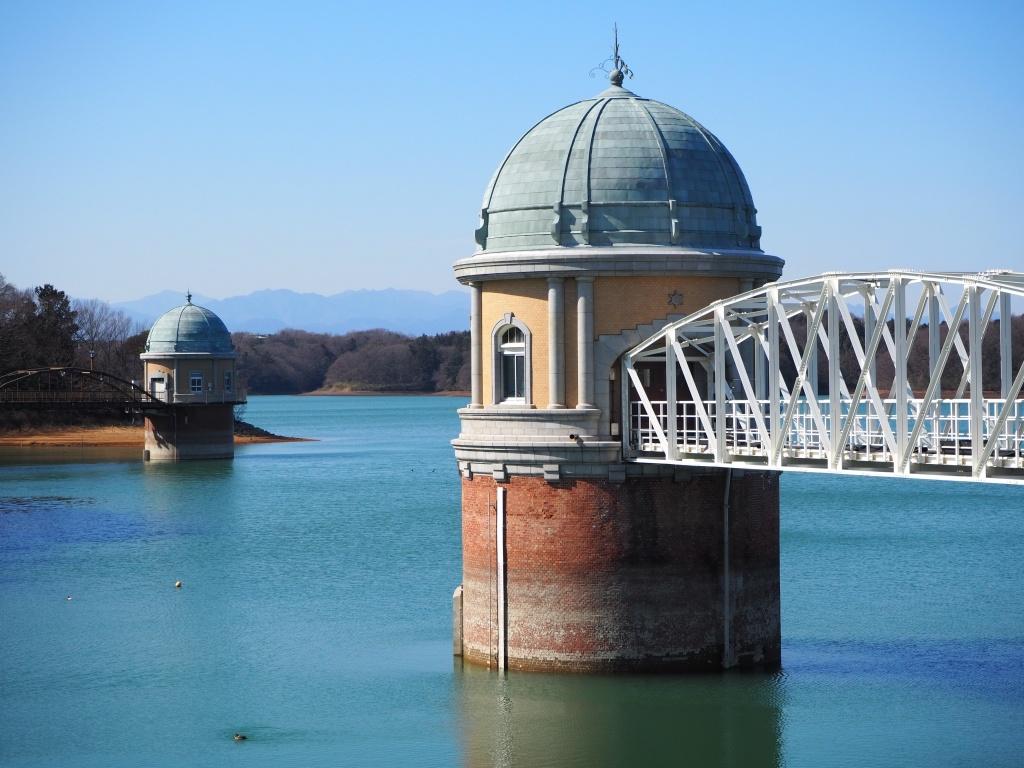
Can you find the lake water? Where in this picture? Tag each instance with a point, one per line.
(315, 617)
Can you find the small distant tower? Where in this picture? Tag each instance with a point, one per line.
(608, 219)
(189, 363)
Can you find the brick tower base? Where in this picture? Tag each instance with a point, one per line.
(603, 576)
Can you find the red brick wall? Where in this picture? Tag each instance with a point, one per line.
(628, 576)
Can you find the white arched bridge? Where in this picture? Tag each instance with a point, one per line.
(906, 373)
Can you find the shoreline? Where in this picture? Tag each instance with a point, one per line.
(106, 437)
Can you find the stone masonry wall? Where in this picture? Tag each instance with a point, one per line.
(191, 432)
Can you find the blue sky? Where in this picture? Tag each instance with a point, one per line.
(229, 147)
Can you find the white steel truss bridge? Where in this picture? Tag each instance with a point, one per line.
(906, 373)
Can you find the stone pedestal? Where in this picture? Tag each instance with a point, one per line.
(190, 432)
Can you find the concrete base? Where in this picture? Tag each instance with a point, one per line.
(188, 432)
(631, 576)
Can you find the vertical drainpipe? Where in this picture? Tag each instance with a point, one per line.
(500, 581)
(556, 342)
(457, 642)
(584, 342)
(476, 346)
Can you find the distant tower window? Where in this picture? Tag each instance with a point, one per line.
(227, 381)
(196, 382)
(511, 339)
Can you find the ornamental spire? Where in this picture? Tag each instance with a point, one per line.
(620, 69)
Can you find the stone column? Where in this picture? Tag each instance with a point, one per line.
(476, 346)
(585, 342)
(556, 342)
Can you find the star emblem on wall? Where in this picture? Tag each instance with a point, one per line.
(675, 299)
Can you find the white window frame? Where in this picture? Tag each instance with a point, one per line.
(193, 388)
(228, 381)
(497, 358)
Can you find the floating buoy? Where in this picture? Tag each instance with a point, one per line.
(240, 737)
(177, 585)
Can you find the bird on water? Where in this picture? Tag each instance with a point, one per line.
(240, 737)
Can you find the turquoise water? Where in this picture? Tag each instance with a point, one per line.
(314, 617)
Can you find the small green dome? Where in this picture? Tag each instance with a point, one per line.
(189, 329)
(618, 170)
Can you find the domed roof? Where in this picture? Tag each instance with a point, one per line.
(189, 329)
(613, 170)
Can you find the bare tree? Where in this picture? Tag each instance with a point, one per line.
(103, 336)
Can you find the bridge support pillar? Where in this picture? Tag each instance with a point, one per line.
(660, 571)
(190, 432)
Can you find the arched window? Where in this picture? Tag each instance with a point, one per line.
(510, 340)
(513, 365)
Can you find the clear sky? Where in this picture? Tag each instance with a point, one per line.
(229, 147)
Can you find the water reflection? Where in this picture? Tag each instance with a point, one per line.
(49, 454)
(594, 720)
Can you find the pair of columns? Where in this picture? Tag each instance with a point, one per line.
(556, 343)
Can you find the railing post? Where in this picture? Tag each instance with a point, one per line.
(899, 327)
(720, 415)
(1005, 345)
(671, 401)
(974, 363)
(834, 376)
(869, 327)
(934, 328)
(811, 344)
(773, 376)
(760, 380)
(626, 413)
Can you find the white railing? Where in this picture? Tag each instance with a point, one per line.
(944, 437)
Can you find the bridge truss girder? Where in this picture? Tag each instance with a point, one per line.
(73, 388)
(737, 405)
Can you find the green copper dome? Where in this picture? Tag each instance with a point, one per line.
(189, 329)
(618, 170)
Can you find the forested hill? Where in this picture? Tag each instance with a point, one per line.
(293, 361)
(45, 327)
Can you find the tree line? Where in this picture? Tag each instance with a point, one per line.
(918, 371)
(293, 361)
(45, 327)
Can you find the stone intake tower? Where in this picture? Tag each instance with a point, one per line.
(606, 220)
(189, 363)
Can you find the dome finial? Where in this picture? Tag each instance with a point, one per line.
(188, 296)
(620, 69)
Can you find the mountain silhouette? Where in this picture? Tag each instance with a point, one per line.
(269, 311)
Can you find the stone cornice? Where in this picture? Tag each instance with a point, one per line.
(616, 261)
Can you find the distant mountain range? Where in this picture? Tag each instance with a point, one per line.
(409, 312)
